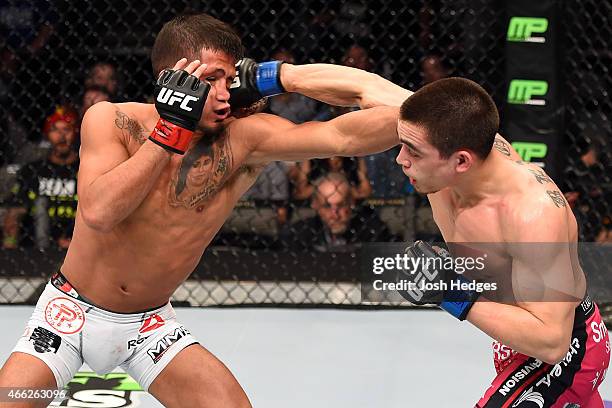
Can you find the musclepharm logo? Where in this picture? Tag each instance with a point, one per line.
(530, 150)
(531, 396)
(521, 29)
(168, 96)
(523, 91)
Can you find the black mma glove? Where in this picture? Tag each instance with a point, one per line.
(450, 293)
(179, 100)
(254, 81)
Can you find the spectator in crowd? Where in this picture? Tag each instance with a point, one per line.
(604, 236)
(386, 177)
(103, 74)
(292, 106)
(353, 168)
(92, 95)
(587, 185)
(44, 195)
(433, 67)
(26, 25)
(338, 222)
(357, 56)
(272, 186)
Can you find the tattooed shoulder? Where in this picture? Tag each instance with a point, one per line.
(557, 198)
(130, 127)
(501, 147)
(540, 176)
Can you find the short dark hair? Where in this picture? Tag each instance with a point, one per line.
(187, 35)
(456, 113)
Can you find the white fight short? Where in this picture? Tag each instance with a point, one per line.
(65, 331)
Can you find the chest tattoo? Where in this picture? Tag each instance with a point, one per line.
(204, 169)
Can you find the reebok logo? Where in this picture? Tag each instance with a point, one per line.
(169, 97)
(151, 323)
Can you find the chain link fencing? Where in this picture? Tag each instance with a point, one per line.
(70, 54)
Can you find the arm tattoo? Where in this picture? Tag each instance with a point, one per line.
(557, 198)
(203, 171)
(540, 176)
(501, 147)
(130, 127)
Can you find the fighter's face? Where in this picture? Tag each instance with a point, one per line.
(200, 172)
(219, 73)
(61, 135)
(421, 161)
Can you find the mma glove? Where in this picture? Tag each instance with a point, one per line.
(443, 286)
(179, 100)
(254, 81)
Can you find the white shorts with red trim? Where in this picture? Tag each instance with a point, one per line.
(65, 332)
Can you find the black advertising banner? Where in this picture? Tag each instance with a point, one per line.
(533, 115)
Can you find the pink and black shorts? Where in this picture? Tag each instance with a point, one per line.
(526, 382)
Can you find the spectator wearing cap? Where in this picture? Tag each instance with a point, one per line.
(43, 200)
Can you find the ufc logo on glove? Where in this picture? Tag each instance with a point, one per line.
(168, 96)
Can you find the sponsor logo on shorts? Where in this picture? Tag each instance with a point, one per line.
(136, 342)
(113, 390)
(600, 332)
(519, 375)
(64, 315)
(530, 396)
(45, 341)
(571, 405)
(151, 323)
(557, 370)
(158, 351)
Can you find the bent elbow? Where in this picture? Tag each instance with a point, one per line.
(556, 350)
(95, 219)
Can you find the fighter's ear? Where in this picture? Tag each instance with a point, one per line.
(463, 159)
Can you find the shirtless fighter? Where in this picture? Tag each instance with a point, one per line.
(156, 182)
(551, 347)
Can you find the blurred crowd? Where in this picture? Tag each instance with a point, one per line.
(319, 205)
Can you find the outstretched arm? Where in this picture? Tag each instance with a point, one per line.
(342, 86)
(270, 137)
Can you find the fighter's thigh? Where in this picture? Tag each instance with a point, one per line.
(197, 377)
(25, 371)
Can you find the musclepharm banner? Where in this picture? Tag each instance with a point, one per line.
(533, 112)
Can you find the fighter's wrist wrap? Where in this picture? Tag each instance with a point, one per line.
(268, 78)
(171, 137)
(255, 81)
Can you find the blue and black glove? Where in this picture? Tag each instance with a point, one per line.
(457, 302)
(254, 81)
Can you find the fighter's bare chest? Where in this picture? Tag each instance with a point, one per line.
(481, 223)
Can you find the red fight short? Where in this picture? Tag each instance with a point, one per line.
(526, 382)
